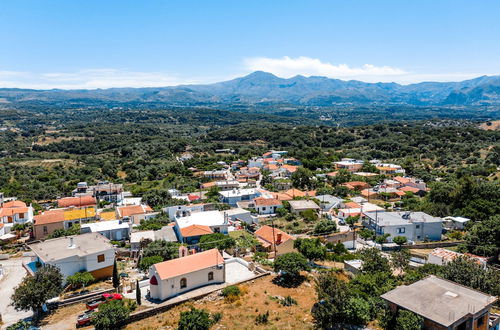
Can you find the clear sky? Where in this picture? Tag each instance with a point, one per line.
(106, 43)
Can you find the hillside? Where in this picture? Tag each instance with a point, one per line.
(265, 88)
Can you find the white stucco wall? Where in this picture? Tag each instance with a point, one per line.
(170, 287)
(91, 263)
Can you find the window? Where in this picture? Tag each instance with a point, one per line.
(183, 282)
(45, 230)
(216, 230)
(263, 208)
(401, 230)
(417, 226)
(100, 258)
(21, 215)
(480, 320)
(210, 276)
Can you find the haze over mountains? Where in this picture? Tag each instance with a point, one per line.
(261, 87)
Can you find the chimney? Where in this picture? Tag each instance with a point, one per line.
(71, 244)
(278, 238)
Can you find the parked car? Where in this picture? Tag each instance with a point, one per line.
(93, 304)
(85, 318)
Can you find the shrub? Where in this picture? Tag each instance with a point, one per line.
(110, 315)
(147, 262)
(288, 301)
(262, 318)
(195, 319)
(80, 279)
(231, 290)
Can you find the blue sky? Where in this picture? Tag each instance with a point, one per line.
(99, 44)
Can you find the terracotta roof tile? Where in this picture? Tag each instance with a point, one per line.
(267, 201)
(76, 201)
(189, 264)
(12, 204)
(51, 216)
(196, 230)
(126, 211)
(266, 233)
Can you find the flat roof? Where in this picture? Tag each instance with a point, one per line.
(238, 192)
(208, 218)
(396, 218)
(106, 225)
(303, 204)
(439, 300)
(60, 248)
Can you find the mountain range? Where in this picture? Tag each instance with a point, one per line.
(265, 88)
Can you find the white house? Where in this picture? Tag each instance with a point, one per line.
(441, 257)
(15, 212)
(90, 252)
(166, 233)
(170, 278)
(231, 197)
(241, 215)
(183, 210)
(267, 205)
(115, 230)
(303, 205)
(455, 223)
(209, 222)
(415, 226)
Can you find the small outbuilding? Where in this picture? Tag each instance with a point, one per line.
(170, 278)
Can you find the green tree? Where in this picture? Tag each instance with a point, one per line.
(166, 250)
(116, 279)
(156, 198)
(407, 320)
(400, 240)
(332, 296)
(138, 296)
(381, 239)
(34, 291)
(290, 264)
(357, 311)
(195, 319)
(468, 272)
(147, 262)
(302, 178)
(311, 248)
(110, 315)
(325, 227)
(80, 279)
(217, 241)
(374, 261)
(484, 238)
(401, 259)
(366, 234)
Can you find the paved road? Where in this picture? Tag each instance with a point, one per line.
(14, 272)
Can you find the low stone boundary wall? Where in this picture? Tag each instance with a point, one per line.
(431, 245)
(82, 298)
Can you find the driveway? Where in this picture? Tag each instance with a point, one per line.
(14, 273)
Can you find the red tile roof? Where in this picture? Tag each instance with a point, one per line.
(412, 189)
(126, 211)
(196, 230)
(352, 205)
(188, 264)
(50, 216)
(266, 201)
(401, 179)
(13, 204)
(77, 201)
(266, 233)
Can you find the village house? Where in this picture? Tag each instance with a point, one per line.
(298, 206)
(231, 197)
(292, 193)
(239, 214)
(348, 164)
(329, 202)
(356, 185)
(81, 201)
(415, 226)
(282, 184)
(115, 230)
(90, 252)
(267, 205)
(217, 175)
(411, 182)
(347, 238)
(191, 226)
(440, 256)
(14, 212)
(135, 213)
(49, 221)
(270, 238)
(443, 304)
(170, 278)
(184, 210)
(389, 169)
(455, 223)
(141, 238)
(104, 190)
